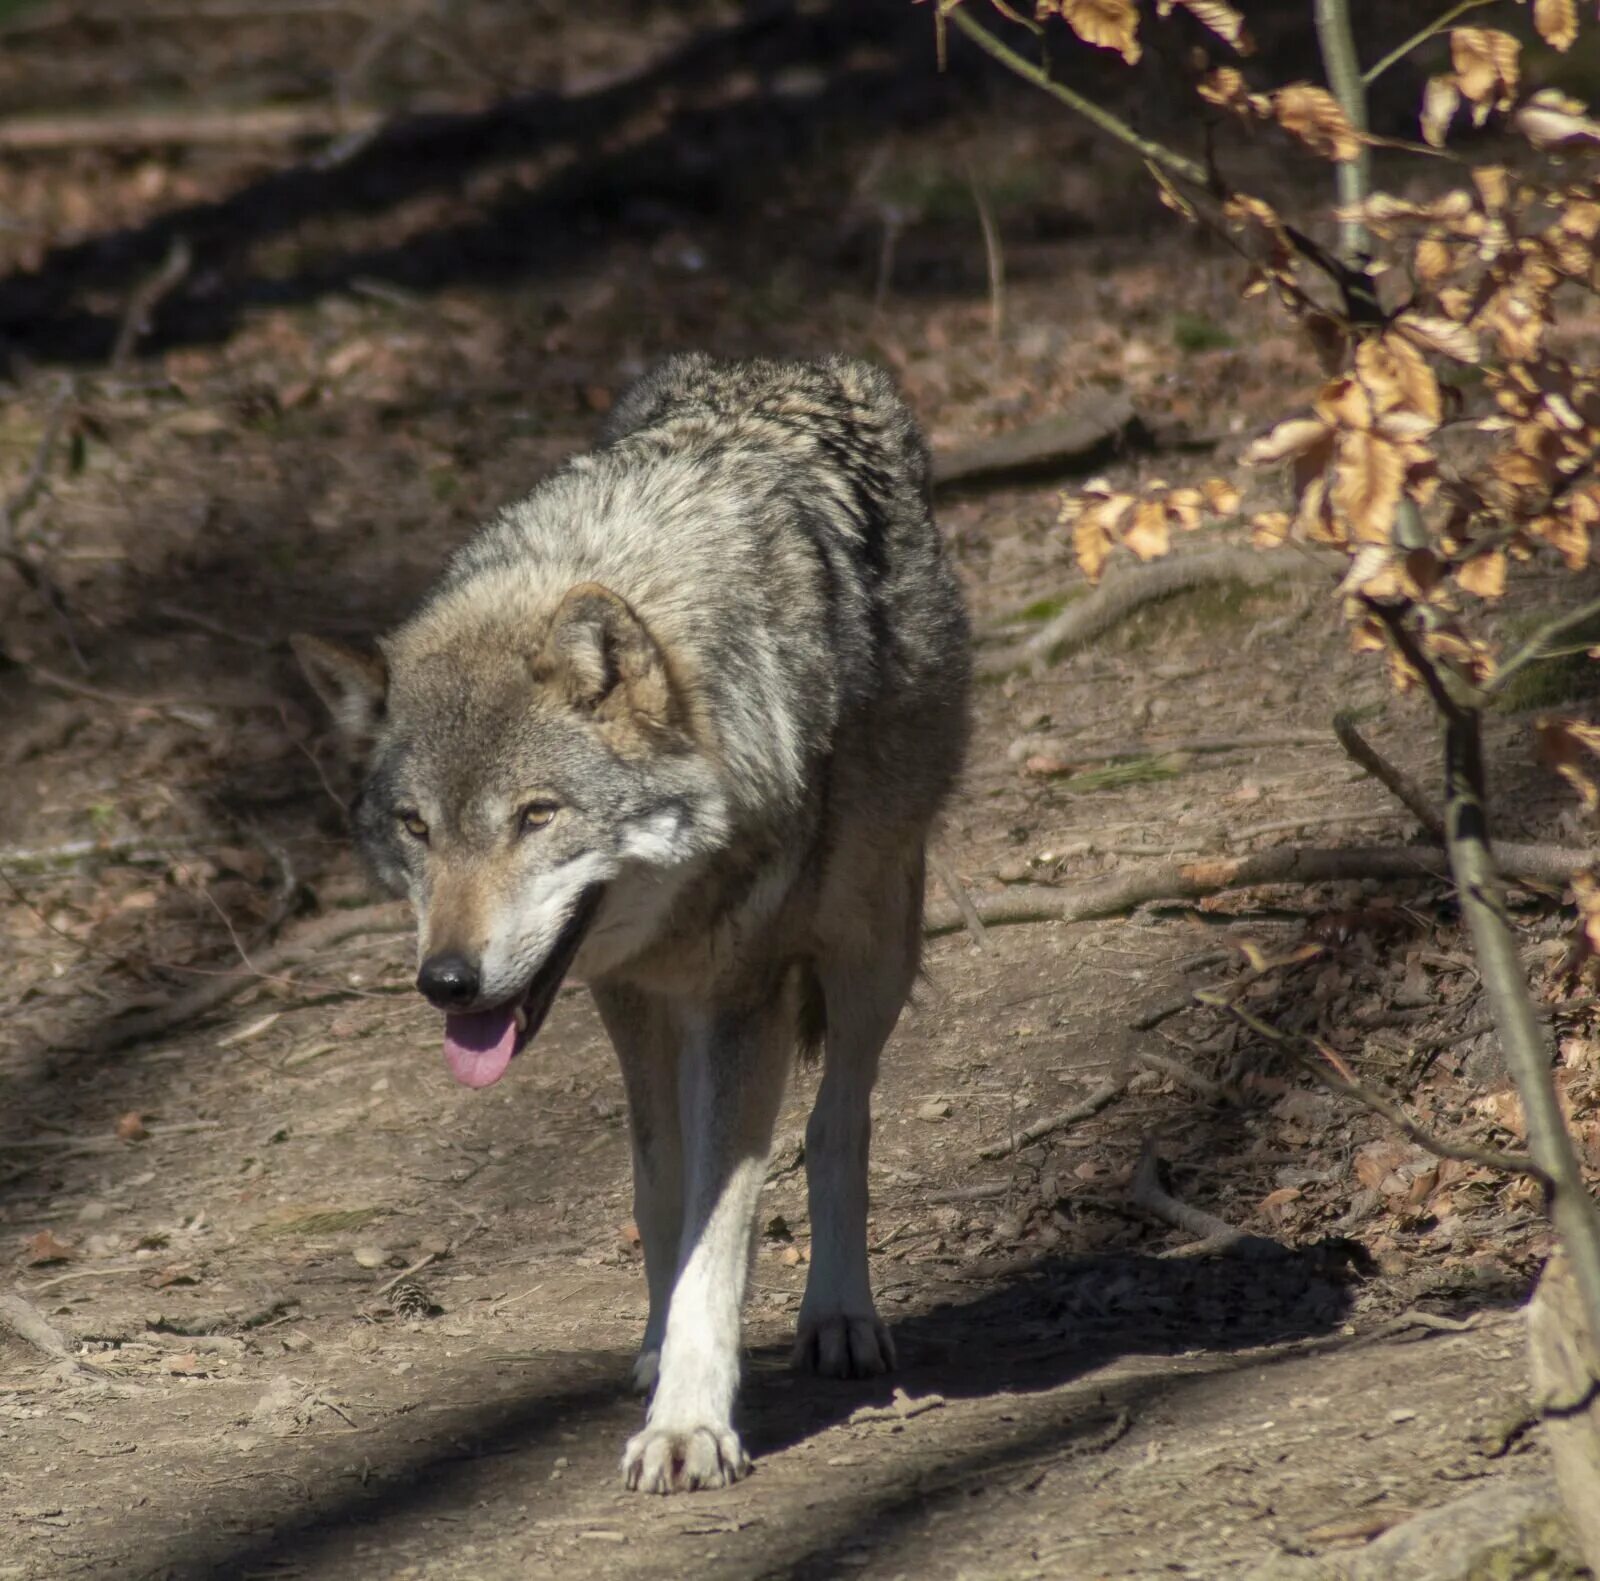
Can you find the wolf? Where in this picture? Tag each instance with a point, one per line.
(677, 725)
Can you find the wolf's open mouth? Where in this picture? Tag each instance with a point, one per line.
(479, 1045)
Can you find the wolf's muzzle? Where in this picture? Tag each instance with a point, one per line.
(448, 981)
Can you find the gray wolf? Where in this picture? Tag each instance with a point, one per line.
(677, 725)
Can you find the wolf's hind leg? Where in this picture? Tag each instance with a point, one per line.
(731, 1076)
(866, 977)
(647, 1038)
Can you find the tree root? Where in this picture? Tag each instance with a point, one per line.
(1122, 594)
(1180, 881)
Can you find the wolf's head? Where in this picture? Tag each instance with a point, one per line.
(532, 783)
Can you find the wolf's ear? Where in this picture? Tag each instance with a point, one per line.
(354, 686)
(603, 658)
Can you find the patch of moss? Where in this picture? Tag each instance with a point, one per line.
(1196, 332)
(1043, 609)
(1130, 771)
(1215, 607)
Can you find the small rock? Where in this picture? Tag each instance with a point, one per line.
(1402, 1414)
(371, 1256)
(1013, 872)
(935, 1109)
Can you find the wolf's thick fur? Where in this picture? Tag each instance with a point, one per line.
(688, 711)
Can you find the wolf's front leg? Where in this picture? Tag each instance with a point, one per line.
(647, 1037)
(730, 1081)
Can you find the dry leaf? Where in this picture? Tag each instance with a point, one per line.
(1484, 574)
(45, 1248)
(1557, 22)
(1107, 24)
(1551, 118)
(1292, 437)
(1440, 100)
(1221, 18)
(1315, 117)
(1367, 483)
(1486, 63)
(1566, 746)
(1148, 536)
(1442, 335)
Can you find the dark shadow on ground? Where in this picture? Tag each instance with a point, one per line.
(711, 160)
(1013, 1337)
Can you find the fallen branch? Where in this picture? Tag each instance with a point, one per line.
(1073, 440)
(1120, 595)
(125, 129)
(1181, 881)
(308, 943)
(1396, 781)
(1216, 1235)
(1106, 1093)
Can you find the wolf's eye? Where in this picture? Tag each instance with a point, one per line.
(414, 825)
(537, 814)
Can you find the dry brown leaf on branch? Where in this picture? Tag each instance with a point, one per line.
(1225, 87)
(1557, 22)
(1440, 100)
(1397, 377)
(1551, 118)
(1433, 261)
(1566, 745)
(1442, 335)
(1288, 441)
(1484, 574)
(1095, 514)
(1315, 117)
(1221, 18)
(1149, 537)
(1107, 24)
(1368, 477)
(1487, 69)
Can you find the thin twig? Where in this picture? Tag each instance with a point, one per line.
(993, 253)
(957, 891)
(1396, 781)
(1537, 646)
(1087, 108)
(307, 944)
(140, 314)
(1421, 36)
(422, 1262)
(1106, 1093)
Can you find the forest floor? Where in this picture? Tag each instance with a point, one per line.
(321, 1312)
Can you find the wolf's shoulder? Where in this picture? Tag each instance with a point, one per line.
(811, 399)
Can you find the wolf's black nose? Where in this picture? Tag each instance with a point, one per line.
(448, 981)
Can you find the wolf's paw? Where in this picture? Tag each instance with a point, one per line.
(837, 1345)
(646, 1369)
(679, 1460)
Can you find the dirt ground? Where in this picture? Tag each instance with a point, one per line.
(325, 1313)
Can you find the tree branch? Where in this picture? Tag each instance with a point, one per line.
(1421, 36)
(1157, 153)
(1400, 785)
(1536, 647)
(1522, 1039)
(1338, 47)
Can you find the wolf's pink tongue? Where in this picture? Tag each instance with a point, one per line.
(478, 1047)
